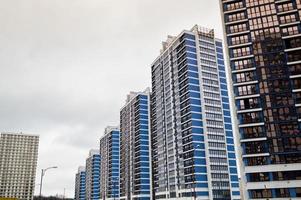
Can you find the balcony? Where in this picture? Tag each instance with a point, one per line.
(233, 6)
(288, 22)
(237, 21)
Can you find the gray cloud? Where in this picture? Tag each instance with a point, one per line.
(67, 65)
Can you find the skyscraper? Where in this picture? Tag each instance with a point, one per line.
(135, 158)
(263, 40)
(110, 158)
(192, 141)
(18, 161)
(93, 175)
(80, 184)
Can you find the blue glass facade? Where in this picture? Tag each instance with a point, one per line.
(227, 121)
(192, 141)
(135, 176)
(115, 158)
(93, 176)
(80, 184)
(96, 177)
(110, 163)
(82, 189)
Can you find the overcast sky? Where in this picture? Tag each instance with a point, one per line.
(66, 67)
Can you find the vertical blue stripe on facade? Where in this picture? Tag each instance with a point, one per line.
(95, 193)
(227, 120)
(144, 153)
(196, 116)
(115, 163)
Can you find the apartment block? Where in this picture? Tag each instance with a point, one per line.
(80, 184)
(135, 149)
(18, 162)
(93, 175)
(110, 163)
(192, 137)
(264, 58)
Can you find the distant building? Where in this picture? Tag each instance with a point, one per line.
(135, 158)
(263, 40)
(80, 184)
(192, 139)
(110, 158)
(93, 175)
(18, 161)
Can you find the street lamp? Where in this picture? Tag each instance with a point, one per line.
(42, 175)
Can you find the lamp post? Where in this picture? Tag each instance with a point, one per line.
(43, 171)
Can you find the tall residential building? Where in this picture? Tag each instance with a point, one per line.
(192, 141)
(80, 184)
(135, 158)
(18, 161)
(264, 49)
(110, 158)
(93, 175)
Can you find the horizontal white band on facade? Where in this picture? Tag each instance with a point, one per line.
(207, 41)
(282, 1)
(250, 110)
(141, 195)
(287, 12)
(244, 70)
(241, 57)
(240, 45)
(247, 96)
(273, 184)
(235, 10)
(273, 168)
(291, 36)
(289, 24)
(251, 124)
(228, 1)
(236, 22)
(299, 120)
(208, 53)
(255, 155)
(245, 83)
(292, 49)
(218, 148)
(298, 105)
(297, 90)
(295, 76)
(196, 165)
(238, 33)
(210, 72)
(295, 62)
(253, 139)
(197, 189)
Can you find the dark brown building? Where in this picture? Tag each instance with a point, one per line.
(264, 50)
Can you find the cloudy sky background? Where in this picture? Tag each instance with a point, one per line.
(66, 67)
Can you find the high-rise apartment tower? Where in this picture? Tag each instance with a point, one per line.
(135, 149)
(93, 175)
(80, 184)
(18, 161)
(192, 140)
(110, 163)
(264, 50)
